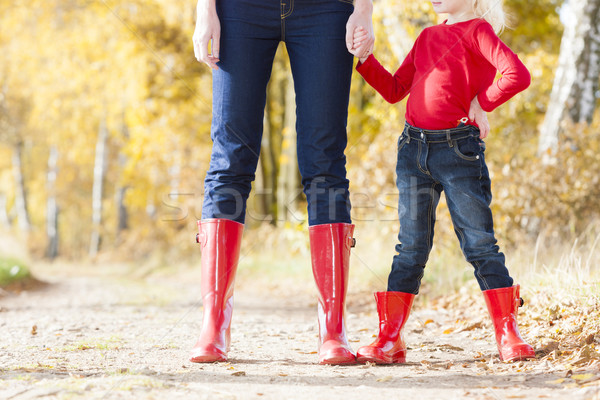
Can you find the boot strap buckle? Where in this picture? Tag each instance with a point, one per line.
(352, 241)
(201, 238)
(521, 302)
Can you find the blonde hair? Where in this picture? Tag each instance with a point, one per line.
(492, 11)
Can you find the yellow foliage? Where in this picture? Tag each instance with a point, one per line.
(67, 67)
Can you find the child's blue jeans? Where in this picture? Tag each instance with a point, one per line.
(314, 34)
(452, 161)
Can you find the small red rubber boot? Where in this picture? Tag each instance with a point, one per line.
(502, 305)
(330, 253)
(220, 242)
(389, 347)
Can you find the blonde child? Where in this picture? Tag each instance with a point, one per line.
(449, 74)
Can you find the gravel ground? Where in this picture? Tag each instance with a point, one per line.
(111, 335)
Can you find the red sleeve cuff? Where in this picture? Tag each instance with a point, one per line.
(360, 66)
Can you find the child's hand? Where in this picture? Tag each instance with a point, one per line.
(360, 35)
(477, 115)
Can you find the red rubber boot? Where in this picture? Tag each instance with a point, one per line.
(502, 305)
(389, 347)
(220, 242)
(330, 253)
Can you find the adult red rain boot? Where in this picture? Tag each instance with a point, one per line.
(502, 305)
(220, 243)
(389, 347)
(330, 253)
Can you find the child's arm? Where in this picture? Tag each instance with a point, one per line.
(393, 88)
(515, 76)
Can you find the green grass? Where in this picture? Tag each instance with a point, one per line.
(12, 270)
(111, 343)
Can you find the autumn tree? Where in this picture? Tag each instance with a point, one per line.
(575, 88)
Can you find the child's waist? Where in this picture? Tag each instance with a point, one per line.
(441, 136)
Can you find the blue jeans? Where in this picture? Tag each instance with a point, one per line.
(314, 35)
(452, 161)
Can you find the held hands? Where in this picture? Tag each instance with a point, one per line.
(477, 115)
(361, 36)
(208, 30)
(360, 18)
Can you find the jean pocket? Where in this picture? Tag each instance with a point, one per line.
(481, 144)
(402, 140)
(468, 149)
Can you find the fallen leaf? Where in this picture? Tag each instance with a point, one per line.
(450, 347)
(549, 346)
(471, 327)
(556, 381)
(385, 379)
(569, 373)
(582, 377)
(239, 373)
(34, 330)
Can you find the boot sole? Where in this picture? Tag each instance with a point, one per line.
(518, 358)
(207, 357)
(335, 362)
(378, 361)
(517, 354)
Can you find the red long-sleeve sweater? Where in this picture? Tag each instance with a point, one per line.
(447, 67)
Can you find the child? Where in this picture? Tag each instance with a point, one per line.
(449, 74)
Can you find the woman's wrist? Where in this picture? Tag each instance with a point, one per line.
(363, 5)
(206, 5)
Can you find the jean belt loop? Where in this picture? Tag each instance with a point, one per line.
(449, 139)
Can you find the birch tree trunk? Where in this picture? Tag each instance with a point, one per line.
(98, 187)
(122, 214)
(4, 218)
(51, 205)
(573, 96)
(20, 190)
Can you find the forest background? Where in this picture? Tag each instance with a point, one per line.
(105, 141)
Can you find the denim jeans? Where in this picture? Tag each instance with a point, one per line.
(314, 34)
(452, 161)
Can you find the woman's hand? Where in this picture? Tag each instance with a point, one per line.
(477, 115)
(361, 17)
(208, 30)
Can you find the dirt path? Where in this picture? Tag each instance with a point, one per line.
(99, 337)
